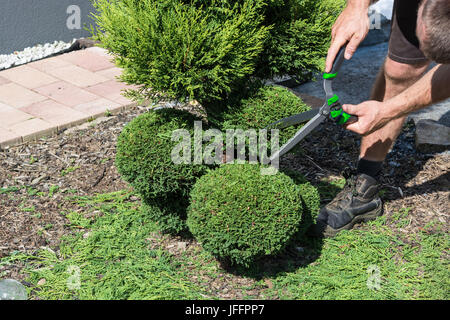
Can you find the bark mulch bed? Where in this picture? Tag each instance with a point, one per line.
(37, 178)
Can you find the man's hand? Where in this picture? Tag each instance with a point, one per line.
(370, 116)
(351, 26)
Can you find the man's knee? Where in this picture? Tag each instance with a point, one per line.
(399, 73)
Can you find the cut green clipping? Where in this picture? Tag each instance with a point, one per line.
(332, 100)
(330, 75)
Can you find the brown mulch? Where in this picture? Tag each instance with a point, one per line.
(410, 180)
(81, 162)
(71, 163)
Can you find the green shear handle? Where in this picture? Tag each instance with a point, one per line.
(336, 112)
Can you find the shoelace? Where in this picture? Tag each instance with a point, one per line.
(350, 185)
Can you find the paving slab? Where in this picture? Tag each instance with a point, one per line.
(11, 116)
(88, 59)
(49, 64)
(98, 107)
(4, 81)
(43, 97)
(77, 76)
(17, 96)
(28, 77)
(66, 93)
(33, 129)
(111, 73)
(55, 113)
(8, 137)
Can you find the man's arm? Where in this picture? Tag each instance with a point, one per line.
(351, 26)
(431, 88)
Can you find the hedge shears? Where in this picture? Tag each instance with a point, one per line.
(331, 108)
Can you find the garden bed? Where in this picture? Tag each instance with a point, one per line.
(45, 185)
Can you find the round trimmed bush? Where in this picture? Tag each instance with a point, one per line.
(238, 214)
(144, 154)
(310, 199)
(265, 106)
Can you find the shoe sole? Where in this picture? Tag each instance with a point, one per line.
(329, 232)
(325, 231)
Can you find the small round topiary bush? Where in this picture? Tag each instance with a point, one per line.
(239, 215)
(310, 199)
(265, 106)
(144, 154)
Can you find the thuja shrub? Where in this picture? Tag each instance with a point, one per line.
(263, 107)
(144, 154)
(299, 37)
(182, 50)
(240, 215)
(208, 49)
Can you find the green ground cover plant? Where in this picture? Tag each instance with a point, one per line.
(113, 259)
(117, 261)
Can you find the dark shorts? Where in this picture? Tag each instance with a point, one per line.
(403, 42)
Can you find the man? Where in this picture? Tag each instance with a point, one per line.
(420, 34)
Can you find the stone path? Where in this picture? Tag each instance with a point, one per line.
(40, 98)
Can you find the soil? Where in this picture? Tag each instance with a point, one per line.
(81, 162)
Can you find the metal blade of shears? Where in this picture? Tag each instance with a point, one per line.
(293, 120)
(303, 132)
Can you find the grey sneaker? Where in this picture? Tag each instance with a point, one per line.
(357, 202)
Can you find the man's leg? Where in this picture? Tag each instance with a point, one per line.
(393, 78)
(359, 200)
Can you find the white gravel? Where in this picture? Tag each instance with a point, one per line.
(29, 54)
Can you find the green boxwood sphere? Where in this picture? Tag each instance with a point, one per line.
(144, 154)
(239, 215)
(265, 106)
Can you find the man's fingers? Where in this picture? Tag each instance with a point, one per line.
(353, 127)
(352, 46)
(351, 109)
(332, 53)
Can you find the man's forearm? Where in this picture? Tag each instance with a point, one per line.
(433, 87)
(363, 4)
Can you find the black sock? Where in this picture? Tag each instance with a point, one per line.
(371, 168)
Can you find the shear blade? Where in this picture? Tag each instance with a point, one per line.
(303, 132)
(293, 120)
